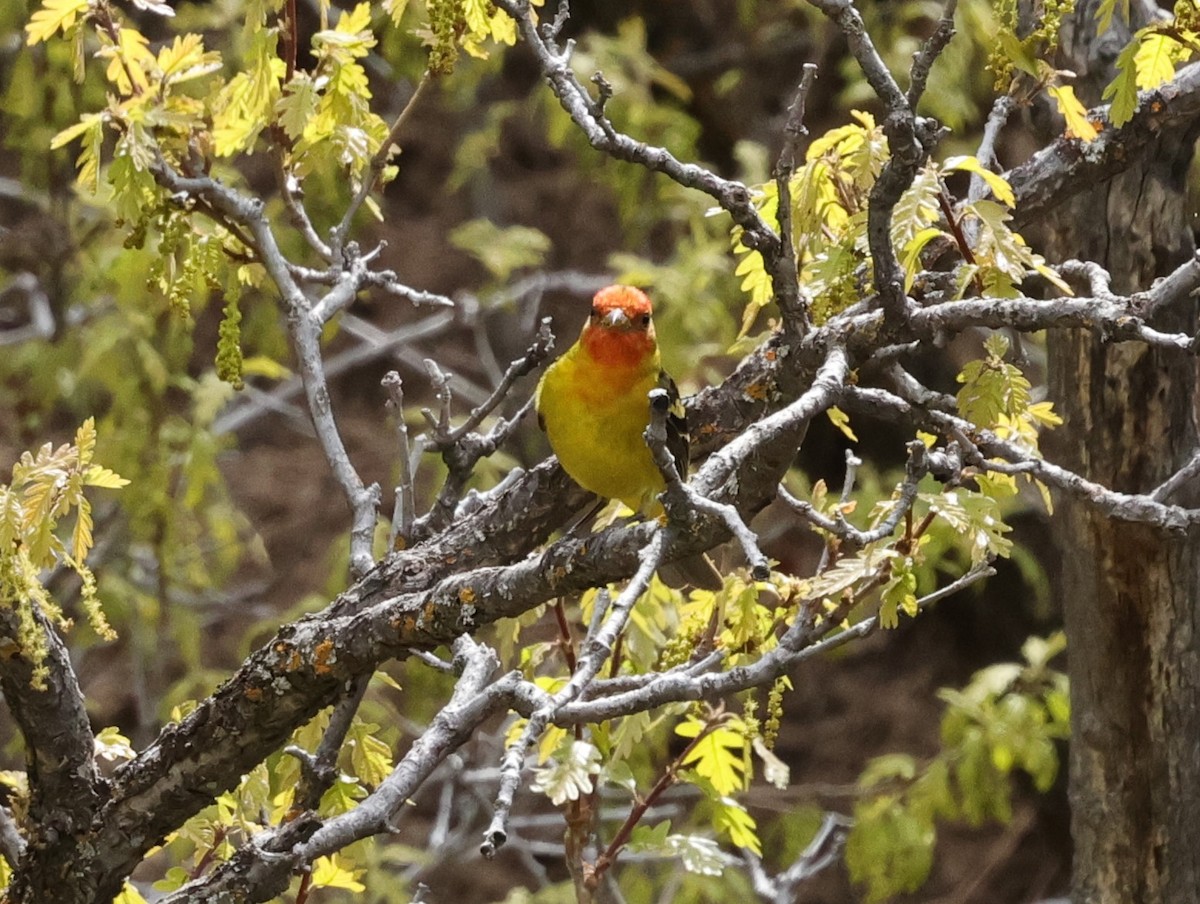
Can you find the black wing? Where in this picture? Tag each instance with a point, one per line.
(677, 428)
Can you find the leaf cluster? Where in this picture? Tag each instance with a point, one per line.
(46, 488)
(1011, 717)
(1151, 56)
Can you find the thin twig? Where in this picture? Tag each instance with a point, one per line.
(680, 500)
(1178, 480)
(404, 508)
(924, 58)
(595, 651)
(531, 360)
(376, 167)
(319, 770)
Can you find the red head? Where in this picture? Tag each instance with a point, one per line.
(620, 330)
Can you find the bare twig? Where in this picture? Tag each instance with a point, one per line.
(305, 332)
(987, 451)
(403, 511)
(910, 138)
(293, 200)
(1002, 109)
(533, 358)
(787, 290)
(924, 58)
(319, 770)
(595, 651)
(1179, 285)
(1178, 480)
(337, 238)
(824, 850)
(461, 447)
(680, 500)
(589, 115)
(905, 495)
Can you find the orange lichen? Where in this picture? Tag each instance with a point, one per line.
(465, 596)
(757, 391)
(325, 655)
(289, 658)
(254, 694)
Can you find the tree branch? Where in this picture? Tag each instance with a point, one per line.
(1067, 166)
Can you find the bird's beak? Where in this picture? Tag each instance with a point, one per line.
(616, 319)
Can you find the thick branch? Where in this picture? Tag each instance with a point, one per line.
(43, 695)
(1068, 166)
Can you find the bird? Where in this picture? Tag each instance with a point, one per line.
(593, 404)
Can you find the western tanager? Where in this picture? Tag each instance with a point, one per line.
(592, 403)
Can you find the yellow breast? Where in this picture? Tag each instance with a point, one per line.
(595, 418)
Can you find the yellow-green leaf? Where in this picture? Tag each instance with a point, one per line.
(720, 756)
(841, 420)
(97, 476)
(70, 133)
(395, 9)
(1156, 57)
(997, 183)
(329, 872)
(54, 16)
(1122, 90)
(1074, 112)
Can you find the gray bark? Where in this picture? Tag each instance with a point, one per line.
(1130, 593)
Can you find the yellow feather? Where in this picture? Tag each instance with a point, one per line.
(595, 413)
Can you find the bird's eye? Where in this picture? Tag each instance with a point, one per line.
(595, 313)
(645, 320)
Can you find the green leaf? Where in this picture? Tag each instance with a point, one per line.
(334, 872)
(186, 60)
(649, 839)
(1122, 90)
(899, 594)
(841, 420)
(370, 757)
(298, 105)
(97, 476)
(395, 9)
(911, 260)
(113, 746)
(734, 820)
(502, 250)
(1016, 52)
(888, 768)
(1104, 14)
(129, 895)
(890, 848)
(86, 122)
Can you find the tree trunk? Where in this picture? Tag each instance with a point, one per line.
(1130, 594)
